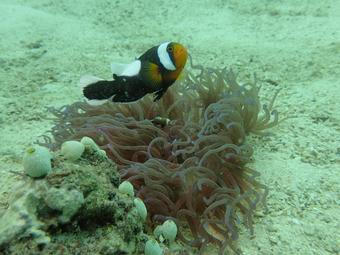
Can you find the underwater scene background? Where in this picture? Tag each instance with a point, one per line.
(242, 152)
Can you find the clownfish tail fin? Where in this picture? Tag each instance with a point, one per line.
(96, 90)
(100, 90)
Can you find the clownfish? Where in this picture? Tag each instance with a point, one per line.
(153, 72)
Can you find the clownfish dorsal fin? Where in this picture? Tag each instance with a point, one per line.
(131, 69)
(150, 74)
(118, 68)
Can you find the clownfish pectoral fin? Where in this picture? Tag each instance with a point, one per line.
(151, 75)
(182, 75)
(158, 94)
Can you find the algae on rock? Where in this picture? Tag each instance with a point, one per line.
(77, 202)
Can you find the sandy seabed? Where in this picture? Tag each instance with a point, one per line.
(45, 46)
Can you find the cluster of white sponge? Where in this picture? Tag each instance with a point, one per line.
(37, 159)
(37, 162)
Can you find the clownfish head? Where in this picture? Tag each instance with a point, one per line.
(172, 56)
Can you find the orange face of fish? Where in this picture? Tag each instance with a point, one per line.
(179, 56)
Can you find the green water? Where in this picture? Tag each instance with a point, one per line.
(291, 46)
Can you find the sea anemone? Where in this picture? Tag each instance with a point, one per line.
(185, 155)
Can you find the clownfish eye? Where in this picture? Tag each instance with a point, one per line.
(170, 49)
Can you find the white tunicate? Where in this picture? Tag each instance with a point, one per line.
(89, 144)
(169, 230)
(141, 209)
(126, 188)
(152, 248)
(157, 232)
(92, 147)
(37, 161)
(102, 153)
(72, 150)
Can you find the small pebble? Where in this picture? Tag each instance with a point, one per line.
(309, 230)
(295, 221)
(272, 228)
(273, 240)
